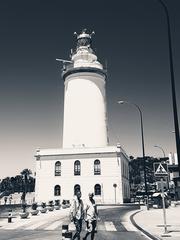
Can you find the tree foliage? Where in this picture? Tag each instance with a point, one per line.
(19, 183)
(136, 173)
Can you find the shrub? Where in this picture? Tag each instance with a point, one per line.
(57, 202)
(51, 203)
(34, 206)
(43, 204)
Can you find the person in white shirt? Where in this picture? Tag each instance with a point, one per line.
(90, 216)
(77, 214)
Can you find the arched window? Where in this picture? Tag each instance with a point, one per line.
(77, 168)
(58, 168)
(97, 189)
(57, 190)
(97, 167)
(77, 188)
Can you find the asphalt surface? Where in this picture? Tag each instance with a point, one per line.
(112, 225)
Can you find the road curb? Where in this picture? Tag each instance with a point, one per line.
(119, 205)
(140, 228)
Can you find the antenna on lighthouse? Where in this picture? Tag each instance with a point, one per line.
(63, 60)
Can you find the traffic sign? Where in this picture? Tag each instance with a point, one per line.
(160, 169)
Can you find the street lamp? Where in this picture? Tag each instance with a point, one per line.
(161, 149)
(142, 139)
(171, 66)
(164, 162)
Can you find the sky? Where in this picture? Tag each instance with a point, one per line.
(131, 36)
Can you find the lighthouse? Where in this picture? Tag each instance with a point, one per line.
(86, 161)
(85, 120)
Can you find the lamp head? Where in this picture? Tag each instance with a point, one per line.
(121, 102)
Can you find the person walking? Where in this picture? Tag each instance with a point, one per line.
(77, 214)
(91, 216)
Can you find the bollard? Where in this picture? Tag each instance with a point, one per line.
(64, 230)
(68, 236)
(10, 216)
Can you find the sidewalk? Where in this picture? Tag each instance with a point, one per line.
(152, 222)
(48, 217)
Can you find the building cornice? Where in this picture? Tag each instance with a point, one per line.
(83, 69)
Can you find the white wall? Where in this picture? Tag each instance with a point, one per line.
(110, 174)
(85, 121)
(125, 176)
(173, 158)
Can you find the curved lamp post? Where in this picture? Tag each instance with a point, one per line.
(142, 139)
(168, 178)
(161, 149)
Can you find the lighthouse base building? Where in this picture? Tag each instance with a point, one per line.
(60, 172)
(85, 162)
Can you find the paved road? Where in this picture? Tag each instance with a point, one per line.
(113, 224)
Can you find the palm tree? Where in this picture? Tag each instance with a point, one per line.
(25, 174)
(18, 183)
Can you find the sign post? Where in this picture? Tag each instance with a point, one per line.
(115, 186)
(161, 170)
(164, 208)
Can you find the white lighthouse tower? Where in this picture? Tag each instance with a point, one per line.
(86, 162)
(85, 121)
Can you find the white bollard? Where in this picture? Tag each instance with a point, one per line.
(10, 216)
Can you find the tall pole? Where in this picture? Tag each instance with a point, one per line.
(164, 208)
(171, 65)
(115, 186)
(143, 150)
(142, 141)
